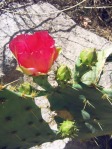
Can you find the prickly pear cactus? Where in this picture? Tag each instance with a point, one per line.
(84, 102)
(21, 123)
(83, 108)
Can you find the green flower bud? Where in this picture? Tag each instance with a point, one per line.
(68, 129)
(25, 88)
(63, 73)
(88, 57)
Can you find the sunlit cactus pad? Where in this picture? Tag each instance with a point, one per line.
(21, 123)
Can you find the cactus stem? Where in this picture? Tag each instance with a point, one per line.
(98, 124)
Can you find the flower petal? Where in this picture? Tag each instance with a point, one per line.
(35, 53)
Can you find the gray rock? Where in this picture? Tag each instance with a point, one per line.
(68, 35)
(43, 16)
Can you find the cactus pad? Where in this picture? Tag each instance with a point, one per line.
(21, 123)
(89, 107)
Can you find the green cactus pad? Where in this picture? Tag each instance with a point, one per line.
(90, 107)
(21, 123)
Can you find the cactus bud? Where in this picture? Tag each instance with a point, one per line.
(68, 129)
(63, 73)
(88, 56)
(25, 88)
